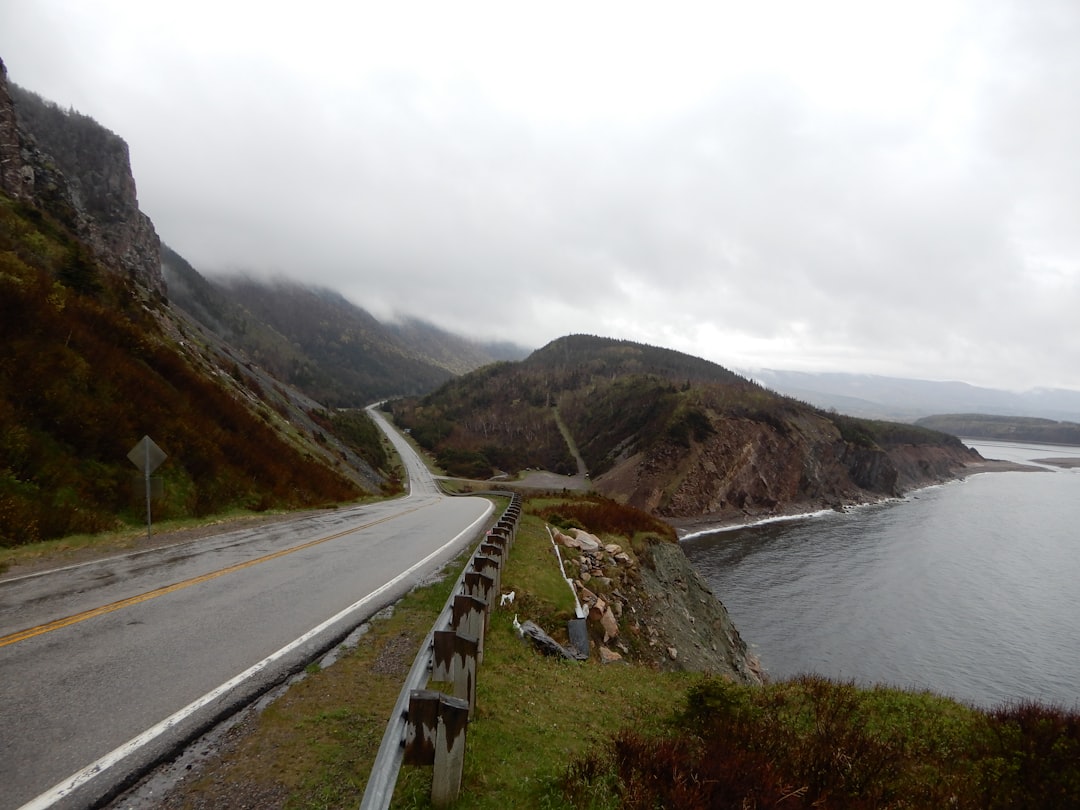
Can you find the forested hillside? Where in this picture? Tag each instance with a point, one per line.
(667, 432)
(85, 372)
(92, 359)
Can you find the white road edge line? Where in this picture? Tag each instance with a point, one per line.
(72, 783)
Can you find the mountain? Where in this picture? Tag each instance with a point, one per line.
(92, 358)
(1004, 428)
(80, 173)
(315, 339)
(879, 397)
(669, 433)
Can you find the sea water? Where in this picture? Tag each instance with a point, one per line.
(969, 589)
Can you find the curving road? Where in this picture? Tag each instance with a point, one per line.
(108, 666)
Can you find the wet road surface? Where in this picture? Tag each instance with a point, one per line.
(161, 643)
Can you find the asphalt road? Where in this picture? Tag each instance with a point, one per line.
(106, 667)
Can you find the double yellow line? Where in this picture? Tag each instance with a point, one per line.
(67, 621)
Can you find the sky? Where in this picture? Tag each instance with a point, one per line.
(886, 188)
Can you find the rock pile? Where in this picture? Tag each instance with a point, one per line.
(608, 570)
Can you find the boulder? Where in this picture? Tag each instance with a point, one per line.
(586, 541)
(610, 625)
(566, 540)
(609, 656)
(541, 641)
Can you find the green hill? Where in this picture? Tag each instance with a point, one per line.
(669, 433)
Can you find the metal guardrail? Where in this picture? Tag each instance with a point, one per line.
(384, 772)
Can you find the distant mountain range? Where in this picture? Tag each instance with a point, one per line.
(877, 397)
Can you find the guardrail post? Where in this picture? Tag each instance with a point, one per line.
(449, 751)
(482, 586)
(509, 525)
(498, 538)
(496, 553)
(442, 655)
(483, 564)
(420, 733)
(467, 618)
(455, 660)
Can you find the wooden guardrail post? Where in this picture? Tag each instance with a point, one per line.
(482, 586)
(435, 735)
(510, 525)
(495, 550)
(483, 564)
(467, 618)
(455, 660)
(422, 727)
(449, 751)
(499, 538)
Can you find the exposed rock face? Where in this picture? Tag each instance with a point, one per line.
(80, 172)
(689, 623)
(747, 467)
(658, 610)
(16, 179)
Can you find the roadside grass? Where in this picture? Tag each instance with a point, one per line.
(535, 714)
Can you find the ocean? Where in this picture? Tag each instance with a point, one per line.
(970, 589)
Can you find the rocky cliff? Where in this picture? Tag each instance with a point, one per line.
(647, 604)
(743, 467)
(79, 172)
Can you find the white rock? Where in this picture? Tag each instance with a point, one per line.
(585, 540)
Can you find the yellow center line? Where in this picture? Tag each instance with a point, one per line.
(67, 621)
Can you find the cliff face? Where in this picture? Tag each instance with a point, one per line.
(79, 172)
(694, 627)
(747, 467)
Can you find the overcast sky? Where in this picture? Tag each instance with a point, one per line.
(837, 186)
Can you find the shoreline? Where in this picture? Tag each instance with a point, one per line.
(689, 528)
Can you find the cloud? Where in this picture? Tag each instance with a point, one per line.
(833, 187)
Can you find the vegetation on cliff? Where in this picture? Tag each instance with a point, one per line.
(811, 742)
(86, 371)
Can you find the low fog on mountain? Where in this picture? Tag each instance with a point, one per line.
(826, 187)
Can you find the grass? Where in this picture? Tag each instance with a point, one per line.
(536, 714)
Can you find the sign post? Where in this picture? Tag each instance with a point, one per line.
(147, 456)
